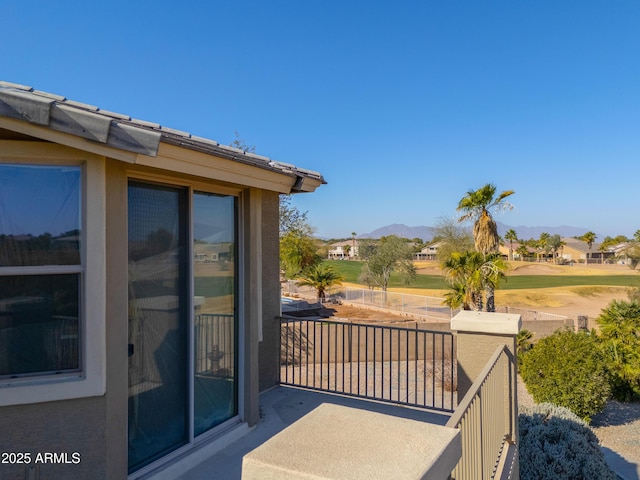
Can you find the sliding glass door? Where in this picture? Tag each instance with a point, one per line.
(215, 332)
(183, 322)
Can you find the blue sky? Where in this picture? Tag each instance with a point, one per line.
(402, 106)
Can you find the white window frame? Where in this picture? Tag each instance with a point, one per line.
(91, 379)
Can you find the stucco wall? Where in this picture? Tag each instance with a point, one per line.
(269, 347)
(96, 427)
(57, 427)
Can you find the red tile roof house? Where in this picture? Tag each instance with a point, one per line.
(140, 304)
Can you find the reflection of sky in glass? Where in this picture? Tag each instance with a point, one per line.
(213, 218)
(39, 199)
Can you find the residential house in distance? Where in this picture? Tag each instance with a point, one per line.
(575, 250)
(139, 293)
(505, 248)
(346, 250)
(428, 252)
(621, 252)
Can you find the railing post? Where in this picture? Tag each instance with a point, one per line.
(478, 334)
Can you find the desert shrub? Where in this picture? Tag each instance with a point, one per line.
(567, 369)
(619, 326)
(556, 444)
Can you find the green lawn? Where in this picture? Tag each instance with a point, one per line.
(350, 270)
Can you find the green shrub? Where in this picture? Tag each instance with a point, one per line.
(555, 443)
(619, 326)
(567, 369)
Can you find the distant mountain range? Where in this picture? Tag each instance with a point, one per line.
(427, 233)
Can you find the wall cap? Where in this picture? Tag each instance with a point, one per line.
(487, 322)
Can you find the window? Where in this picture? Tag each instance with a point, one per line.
(41, 270)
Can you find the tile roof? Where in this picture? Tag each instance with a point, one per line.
(121, 131)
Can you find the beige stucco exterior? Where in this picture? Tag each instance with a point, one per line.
(88, 415)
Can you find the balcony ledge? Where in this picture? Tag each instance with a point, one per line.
(338, 442)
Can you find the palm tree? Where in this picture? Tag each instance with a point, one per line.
(471, 273)
(353, 243)
(321, 277)
(462, 274)
(543, 244)
(457, 297)
(512, 236)
(491, 272)
(523, 251)
(589, 238)
(555, 243)
(477, 205)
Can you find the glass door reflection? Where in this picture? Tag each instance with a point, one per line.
(215, 316)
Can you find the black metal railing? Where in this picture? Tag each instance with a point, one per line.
(215, 344)
(407, 366)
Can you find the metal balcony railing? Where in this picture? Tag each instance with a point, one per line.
(406, 366)
(486, 418)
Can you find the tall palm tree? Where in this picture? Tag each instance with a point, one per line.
(321, 277)
(353, 243)
(512, 236)
(477, 206)
(589, 238)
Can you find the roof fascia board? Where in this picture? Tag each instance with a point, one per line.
(177, 159)
(44, 151)
(67, 139)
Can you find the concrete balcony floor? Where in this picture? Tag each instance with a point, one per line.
(281, 407)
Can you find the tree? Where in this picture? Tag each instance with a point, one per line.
(470, 274)
(298, 251)
(511, 236)
(589, 238)
(477, 206)
(631, 253)
(290, 218)
(353, 244)
(542, 244)
(240, 144)
(523, 251)
(555, 243)
(619, 332)
(613, 241)
(462, 271)
(567, 369)
(321, 277)
(390, 254)
(452, 237)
